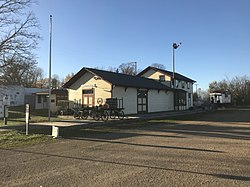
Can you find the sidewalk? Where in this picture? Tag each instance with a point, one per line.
(168, 114)
(75, 122)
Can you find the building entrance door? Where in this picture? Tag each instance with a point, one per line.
(142, 101)
(88, 98)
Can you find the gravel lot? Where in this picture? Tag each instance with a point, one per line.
(209, 149)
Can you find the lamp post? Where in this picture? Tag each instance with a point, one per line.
(50, 45)
(175, 46)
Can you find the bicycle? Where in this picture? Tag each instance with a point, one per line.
(118, 112)
(98, 113)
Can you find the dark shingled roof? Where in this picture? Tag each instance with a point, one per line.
(119, 79)
(53, 91)
(169, 73)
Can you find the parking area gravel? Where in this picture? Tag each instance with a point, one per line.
(208, 149)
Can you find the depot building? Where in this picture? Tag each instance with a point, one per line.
(147, 92)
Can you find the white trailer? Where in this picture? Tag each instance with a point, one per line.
(220, 97)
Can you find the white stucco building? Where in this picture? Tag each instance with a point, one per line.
(139, 94)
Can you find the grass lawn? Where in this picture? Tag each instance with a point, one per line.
(13, 138)
(17, 116)
(17, 138)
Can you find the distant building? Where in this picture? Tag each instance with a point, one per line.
(17, 95)
(59, 100)
(220, 97)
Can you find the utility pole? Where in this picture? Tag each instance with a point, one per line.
(135, 68)
(175, 46)
(196, 87)
(50, 46)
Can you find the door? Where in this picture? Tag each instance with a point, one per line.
(142, 101)
(88, 98)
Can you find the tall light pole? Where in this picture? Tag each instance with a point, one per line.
(50, 45)
(175, 46)
(196, 87)
(135, 63)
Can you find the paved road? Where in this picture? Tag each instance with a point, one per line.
(211, 149)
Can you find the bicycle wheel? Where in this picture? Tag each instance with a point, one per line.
(121, 115)
(112, 114)
(76, 115)
(96, 116)
(85, 115)
(105, 116)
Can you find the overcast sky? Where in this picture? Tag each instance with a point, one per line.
(215, 35)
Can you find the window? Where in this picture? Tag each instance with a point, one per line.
(87, 91)
(39, 99)
(183, 84)
(162, 78)
(80, 102)
(176, 83)
(75, 103)
(61, 97)
(188, 85)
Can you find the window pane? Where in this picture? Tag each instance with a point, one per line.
(139, 108)
(90, 91)
(162, 78)
(90, 100)
(39, 100)
(139, 100)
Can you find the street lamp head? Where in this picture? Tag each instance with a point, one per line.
(175, 45)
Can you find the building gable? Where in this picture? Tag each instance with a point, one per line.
(152, 72)
(116, 79)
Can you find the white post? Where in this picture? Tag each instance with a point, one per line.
(55, 132)
(27, 118)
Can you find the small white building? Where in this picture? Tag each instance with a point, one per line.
(220, 97)
(16, 94)
(59, 100)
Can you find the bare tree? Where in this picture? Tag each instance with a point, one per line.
(20, 72)
(238, 86)
(55, 82)
(128, 68)
(38, 75)
(159, 66)
(112, 69)
(219, 85)
(68, 77)
(18, 36)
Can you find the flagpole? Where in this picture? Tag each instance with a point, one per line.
(50, 45)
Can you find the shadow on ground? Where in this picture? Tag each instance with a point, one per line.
(224, 176)
(224, 126)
